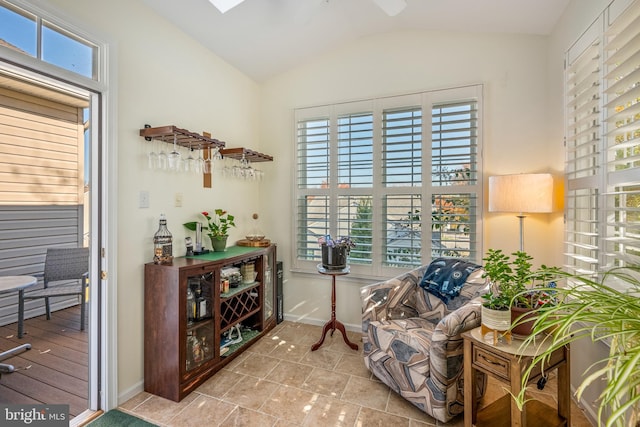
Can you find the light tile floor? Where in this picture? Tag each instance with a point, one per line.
(280, 382)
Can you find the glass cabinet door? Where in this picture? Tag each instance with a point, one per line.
(199, 318)
(269, 297)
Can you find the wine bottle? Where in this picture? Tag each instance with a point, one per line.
(162, 243)
(200, 302)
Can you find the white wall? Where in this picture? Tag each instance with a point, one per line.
(164, 78)
(513, 70)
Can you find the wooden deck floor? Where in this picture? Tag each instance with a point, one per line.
(55, 369)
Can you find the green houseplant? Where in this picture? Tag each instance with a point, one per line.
(516, 287)
(217, 227)
(604, 310)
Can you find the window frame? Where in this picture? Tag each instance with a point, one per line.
(42, 19)
(424, 100)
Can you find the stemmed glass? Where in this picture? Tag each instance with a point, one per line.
(199, 164)
(162, 156)
(190, 161)
(208, 163)
(152, 156)
(174, 156)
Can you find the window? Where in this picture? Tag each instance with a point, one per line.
(602, 93)
(31, 35)
(371, 169)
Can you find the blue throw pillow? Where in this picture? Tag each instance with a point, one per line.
(445, 277)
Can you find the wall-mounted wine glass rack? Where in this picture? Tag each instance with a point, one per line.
(196, 141)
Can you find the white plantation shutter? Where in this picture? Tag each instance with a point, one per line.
(583, 105)
(312, 223)
(313, 153)
(312, 205)
(455, 168)
(402, 171)
(355, 150)
(603, 142)
(355, 219)
(403, 230)
(454, 143)
(622, 139)
(402, 147)
(370, 170)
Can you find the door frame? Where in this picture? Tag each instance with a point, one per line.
(103, 350)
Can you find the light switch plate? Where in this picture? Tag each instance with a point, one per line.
(143, 200)
(178, 200)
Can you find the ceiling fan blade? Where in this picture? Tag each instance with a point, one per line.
(225, 5)
(391, 7)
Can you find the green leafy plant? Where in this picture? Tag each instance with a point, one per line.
(605, 310)
(515, 282)
(217, 225)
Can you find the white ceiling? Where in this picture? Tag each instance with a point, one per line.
(265, 37)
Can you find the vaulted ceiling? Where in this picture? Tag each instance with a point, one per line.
(265, 37)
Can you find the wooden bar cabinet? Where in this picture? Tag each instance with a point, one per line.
(188, 311)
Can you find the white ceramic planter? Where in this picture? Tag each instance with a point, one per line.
(497, 320)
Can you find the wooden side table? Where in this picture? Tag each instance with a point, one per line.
(333, 323)
(506, 363)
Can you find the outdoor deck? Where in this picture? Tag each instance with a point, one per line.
(55, 370)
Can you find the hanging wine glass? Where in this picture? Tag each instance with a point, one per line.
(152, 156)
(174, 156)
(162, 156)
(199, 164)
(208, 163)
(190, 161)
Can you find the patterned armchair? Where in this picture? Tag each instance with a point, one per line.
(412, 340)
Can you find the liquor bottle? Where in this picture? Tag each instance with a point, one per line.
(206, 350)
(201, 304)
(196, 350)
(162, 243)
(191, 306)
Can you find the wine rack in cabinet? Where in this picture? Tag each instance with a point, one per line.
(196, 321)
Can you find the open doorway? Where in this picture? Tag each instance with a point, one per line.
(46, 147)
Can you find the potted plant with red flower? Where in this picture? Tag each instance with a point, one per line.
(217, 227)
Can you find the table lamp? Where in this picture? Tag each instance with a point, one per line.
(521, 193)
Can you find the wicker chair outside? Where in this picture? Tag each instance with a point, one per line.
(67, 265)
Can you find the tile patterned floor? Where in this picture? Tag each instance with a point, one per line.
(279, 382)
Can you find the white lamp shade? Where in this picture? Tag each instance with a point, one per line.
(521, 193)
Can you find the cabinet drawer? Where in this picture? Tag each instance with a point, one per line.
(491, 362)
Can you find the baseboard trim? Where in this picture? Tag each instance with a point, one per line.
(130, 392)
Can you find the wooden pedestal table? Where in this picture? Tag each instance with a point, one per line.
(506, 363)
(333, 324)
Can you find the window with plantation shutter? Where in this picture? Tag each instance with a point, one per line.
(402, 147)
(583, 104)
(621, 64)
(355, 150)
(453, 143)
(371, 169)
(603, 142)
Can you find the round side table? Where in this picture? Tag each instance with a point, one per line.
(333, 324)
(13, 284)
